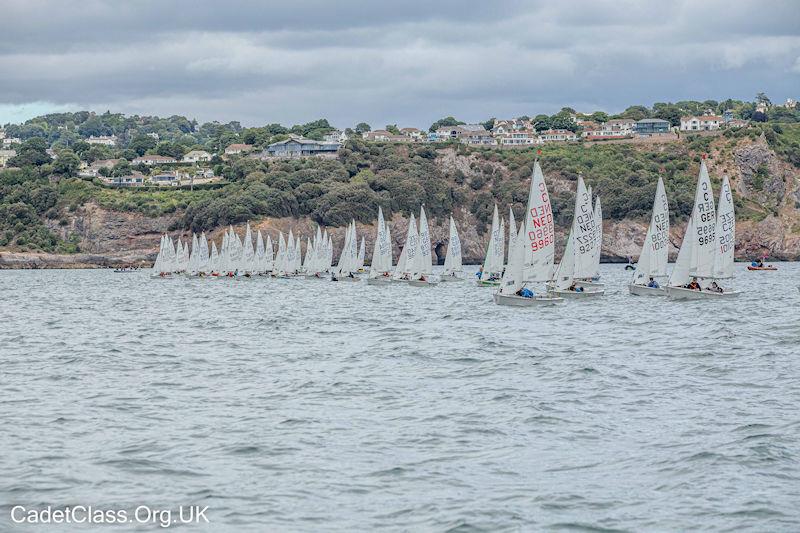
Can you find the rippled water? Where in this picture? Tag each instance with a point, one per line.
(289, 405)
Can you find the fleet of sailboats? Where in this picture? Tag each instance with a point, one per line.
(525, 277)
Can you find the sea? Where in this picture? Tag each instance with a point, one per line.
(297, 405)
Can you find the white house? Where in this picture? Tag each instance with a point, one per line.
(335, 136)
(110, 140)
(235, 149)
(5, 155)
(557, 135)
(8, 141)
(415, 134)
(196, 156)
(151, 160)
(515, 137)
(703, 123)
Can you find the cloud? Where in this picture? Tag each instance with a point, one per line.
(406, 63)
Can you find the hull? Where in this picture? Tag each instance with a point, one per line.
(345, 278)
(643, 290)
(450, 277)
(487, 283)
(630, 267)
(320, 277)
(762, 268)
(680, 293)
(379, 281)
(576, 295)
(420, 283)
(518, 301)
(590, 284)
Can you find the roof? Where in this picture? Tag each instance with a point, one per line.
(621, 121)
(704, 117)
(410, 129)
(155, 158)
(303, 140)
(238, 146)
(197, 152)
(652, 121)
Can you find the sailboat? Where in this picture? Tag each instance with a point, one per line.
(348, 259)
(531, 260)
(493, 264)
(452, 261)
(362, 255)
(706, 254)
(578, 261)
(408, 256)
(652, 263)
(380, 270)
(421, 274)
(594, 270)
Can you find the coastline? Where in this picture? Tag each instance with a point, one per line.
(39, 260)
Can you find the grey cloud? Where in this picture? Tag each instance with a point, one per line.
(408, 63)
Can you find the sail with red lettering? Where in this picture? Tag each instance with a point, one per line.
(539, 231)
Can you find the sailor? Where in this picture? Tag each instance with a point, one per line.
(693, 285)
(653, 284)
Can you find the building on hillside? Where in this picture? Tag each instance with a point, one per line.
(415, 134)
(791, 103)
(236, 149)
(133, 180)
(297, 146)
(605, 132)
(335, 136)
(737, 123)
(623, 125)
(197, 156)
(557, 135)
(702, 123)
(456, 132)
(153, 135)
(93, 170)
(477, 138)
(105, 140)
(648, 127)
(8, 141)
(505, 126)
(151, 160)
(5, 155)
(165, 179)
(384, 136)
(762, 107)
(516, 137)
(727, 115)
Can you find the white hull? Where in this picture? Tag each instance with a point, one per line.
(576, 294)
(643, 290)
(487, 283)
(519, 301)
(449, 277)
(379, 281)
(680, 293)
(590, 284)
(420, 283)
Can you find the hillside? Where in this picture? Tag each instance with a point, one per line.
(64, 215)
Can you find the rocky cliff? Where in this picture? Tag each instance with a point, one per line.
(767, 185)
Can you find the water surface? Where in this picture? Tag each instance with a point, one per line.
(289, 405)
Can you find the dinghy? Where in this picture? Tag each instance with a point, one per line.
(453, 269)
(593, 281)
(652, 264)
(347, 267)
(706, 254)
(578, 261)
(421, 274)
(763, 268)
(380, 270)
(408, 255)
(531, 260)
(492, 269)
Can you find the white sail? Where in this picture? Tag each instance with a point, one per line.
(382, 252)
(512, 233)
(514, 275)
(343, 267)
(280, 258)
(248, 253)
(725, 233)
(705, 220)
(308, 262)
(565, 274)
(493, 263)
(213, 260)
(655, 249)
(539, 231)
(452, 261)
(584, 234)
(269, 255)
(598, 221)
(408, 255)
(425, 261)
(680, 275)
(204, 255)
(194, 256)
(362, 251)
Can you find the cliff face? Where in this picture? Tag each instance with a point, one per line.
(768, 186)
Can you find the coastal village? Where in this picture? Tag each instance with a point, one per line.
(196, 167)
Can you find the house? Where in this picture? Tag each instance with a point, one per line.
(727, 115)
(791, 103)
(196, 156)
(297, 146)
(335, 136)
(504, 126)
(623, 125)
(5, 155)
(703, 123)
(236, 149)
(515, 137)
(383, 136)
(557, 135)
(651, 126)
(133, 180)
(110, 140)
(165, 179)
(151, 160)
(8, 141)
(455, 132)
(415, 134)
(153, 135)
(762, 107)
(737, 123)
(477, 137)
(93, 170)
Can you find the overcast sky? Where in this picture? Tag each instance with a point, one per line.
(407, 62)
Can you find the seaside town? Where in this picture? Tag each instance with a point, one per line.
(143, 159)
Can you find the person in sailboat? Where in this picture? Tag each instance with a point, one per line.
(694, 285)
(758, 263)
(714, 287)
(479, 273)
(525, 292)
(422, 277)
(575, 288)
(653, 284)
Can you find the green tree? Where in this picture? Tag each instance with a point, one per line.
(636, 112)
(444, 123)
(362, 127)
(32, 153)
(66, 164)
(392, 128)
(762, 98)
(141, 144)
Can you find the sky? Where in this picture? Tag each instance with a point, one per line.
(407, 63)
